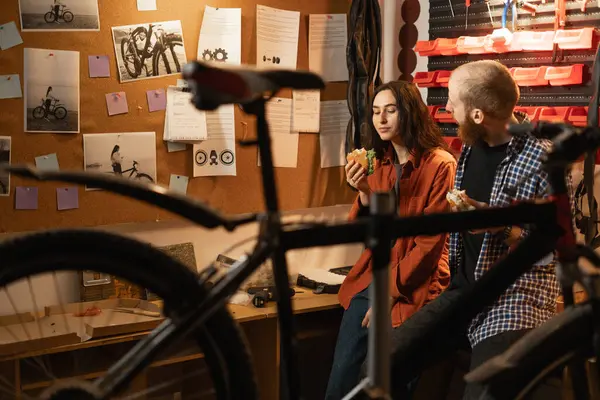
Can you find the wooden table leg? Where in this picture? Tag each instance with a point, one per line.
(264, 348)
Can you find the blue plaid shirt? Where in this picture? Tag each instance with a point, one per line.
(531, 300)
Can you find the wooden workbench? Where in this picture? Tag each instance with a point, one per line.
(317, 322)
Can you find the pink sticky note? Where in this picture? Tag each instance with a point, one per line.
(26, 198)
(156, 100)
(67, 198)
(117, 103)
(99, 66)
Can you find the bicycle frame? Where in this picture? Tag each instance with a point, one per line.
(551, 217)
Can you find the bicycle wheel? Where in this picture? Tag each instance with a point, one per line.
(517, 372)
(49, 17)
(144, 178)
(60, 112)
(68, 16)
(39, 112)
(222, 343)
(129, 58)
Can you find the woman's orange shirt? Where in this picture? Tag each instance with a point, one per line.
(419, 265)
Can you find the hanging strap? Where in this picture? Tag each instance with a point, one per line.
(589, 164)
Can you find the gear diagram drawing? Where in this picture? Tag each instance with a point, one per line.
(219, 55)
(207, 55)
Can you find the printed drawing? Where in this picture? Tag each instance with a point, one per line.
(58, 15)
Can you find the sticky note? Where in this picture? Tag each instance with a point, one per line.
(10, 87)
(178, 183)
(99, 66)
(117, 103)
(157, 100)
(9, 36)
(49, 162)
(26, 198)
(67, 198)
(175, 146)
(146, 5)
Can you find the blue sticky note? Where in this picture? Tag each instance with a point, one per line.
(178, 183)
(9, 36)
(49, 162)
(67, 198)
(175, 146)
(26, 198)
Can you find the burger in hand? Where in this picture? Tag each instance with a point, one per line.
(366, 158)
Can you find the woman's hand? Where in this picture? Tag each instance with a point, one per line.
(356, 176)
(366, 322)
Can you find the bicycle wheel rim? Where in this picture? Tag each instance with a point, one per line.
(47, 253)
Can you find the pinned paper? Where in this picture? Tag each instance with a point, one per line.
(146, 5)
(9, 36)
(178, 183)
(26, 198)
(176, 146)
(10, 87)
(67, 198)
(48, 162)
(117, 103)
(157, 100)
(99, 66)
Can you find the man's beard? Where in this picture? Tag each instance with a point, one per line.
(470, 132)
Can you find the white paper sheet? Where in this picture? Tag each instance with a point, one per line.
(184, 122)
(334, 122)
(215, 156)
(146, 5)
(10, 87)
(306, 110)
(284, 142)
(9, 36)
(277, 37)
(221, 35)
(328, 36)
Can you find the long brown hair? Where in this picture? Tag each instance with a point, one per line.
(418, 130)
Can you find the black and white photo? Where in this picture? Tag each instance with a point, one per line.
(149, 50)
(51, 82)
(4, 159)
(131, 155)
(59, 15)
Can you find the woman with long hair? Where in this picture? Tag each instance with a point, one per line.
(413, 160)
(116, 160)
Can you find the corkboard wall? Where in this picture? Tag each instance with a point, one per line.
(305, 186)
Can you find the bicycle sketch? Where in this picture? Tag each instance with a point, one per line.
(131, 155)
(59, 15)
(149, 50)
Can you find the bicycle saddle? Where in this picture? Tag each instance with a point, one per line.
(215, 86)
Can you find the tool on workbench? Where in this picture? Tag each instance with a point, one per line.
(487, 3)
(451, 7)
(264, 294)
(467, 5)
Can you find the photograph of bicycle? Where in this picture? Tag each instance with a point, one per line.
(130, 155)
(51, 83)
(195, 310)
(59, 15)
(149, 50)
(5, 142)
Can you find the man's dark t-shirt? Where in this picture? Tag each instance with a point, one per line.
(477, 182)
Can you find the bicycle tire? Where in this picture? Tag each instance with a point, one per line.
(156, 60)
(49, 17)
(60, 113)
(37, 111)
(518, 371)
(222, 342)
(68, 16)
(132, 73)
